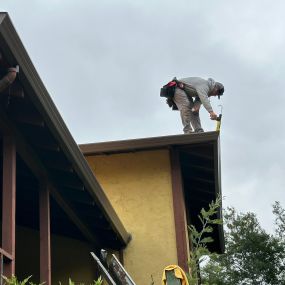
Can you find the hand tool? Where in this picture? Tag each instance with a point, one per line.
(219, 119)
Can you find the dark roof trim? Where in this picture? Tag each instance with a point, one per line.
(16, 55)
(147, 143)
(218, 189)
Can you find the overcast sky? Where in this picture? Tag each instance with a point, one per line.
(103, 63)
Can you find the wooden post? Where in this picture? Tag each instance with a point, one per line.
(9, 202)
(45, 250)
(179, 211)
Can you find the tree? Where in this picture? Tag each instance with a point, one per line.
(279, 213)
(252, 256)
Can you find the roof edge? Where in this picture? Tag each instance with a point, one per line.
(218, 190)
(2, 16)
(147, 143)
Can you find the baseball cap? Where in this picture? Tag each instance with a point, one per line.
(221, 89)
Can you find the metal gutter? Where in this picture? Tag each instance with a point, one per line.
(16, 54)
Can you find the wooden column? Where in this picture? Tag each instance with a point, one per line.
(9, 203)
(179, 210)
(45, 252)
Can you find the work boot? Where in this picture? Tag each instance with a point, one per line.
(200, 130)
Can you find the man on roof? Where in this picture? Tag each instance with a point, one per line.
(190, 94)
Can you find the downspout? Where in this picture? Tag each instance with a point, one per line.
(8, 79)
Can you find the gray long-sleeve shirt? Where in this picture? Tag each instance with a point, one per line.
(203, 88)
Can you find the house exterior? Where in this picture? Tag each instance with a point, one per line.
(158, 186)
(59, 201)
(53, 210)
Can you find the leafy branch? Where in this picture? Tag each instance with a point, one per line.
(201, 239)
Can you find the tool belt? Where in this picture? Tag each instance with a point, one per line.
(168, 91)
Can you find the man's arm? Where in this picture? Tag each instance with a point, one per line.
(202, 92)
(203, 95)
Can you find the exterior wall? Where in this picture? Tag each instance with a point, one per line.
(139, 188)
(70, 258)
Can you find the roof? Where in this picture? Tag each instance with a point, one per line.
(147, 143)
(199, 163)
(46, 147)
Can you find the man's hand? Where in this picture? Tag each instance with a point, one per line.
(213, 116)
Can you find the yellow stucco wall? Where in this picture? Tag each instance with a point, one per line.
(139, 188)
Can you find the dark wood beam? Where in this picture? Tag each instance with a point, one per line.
(1, 59)
(198, 199)
(3, 62)
(9, 202)
(7, 257)
(179, 210)
(191, 165)
(36, 132)
(62, 167)
(198, 155)
(70, 186)
(217, 159)
(99, 225)
(201, 190)
(54, 161)
(45, 249)
(48, 147)
(78, 196)
(69, 180)
(204, 148)
(34, 163)
(29, 119)
(201, 179)
(88, 212)
(193, 172)
(74, 217)
(15, 90)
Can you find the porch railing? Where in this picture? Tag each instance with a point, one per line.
(5, 259)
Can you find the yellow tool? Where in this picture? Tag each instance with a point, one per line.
(219, 119)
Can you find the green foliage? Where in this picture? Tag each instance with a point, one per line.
(14, 281)
(252, 256)
(99, 281)
(200, 239)
(279, 213)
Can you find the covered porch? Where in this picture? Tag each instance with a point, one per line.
(53, 209)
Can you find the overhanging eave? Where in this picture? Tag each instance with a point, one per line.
(15, 54)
